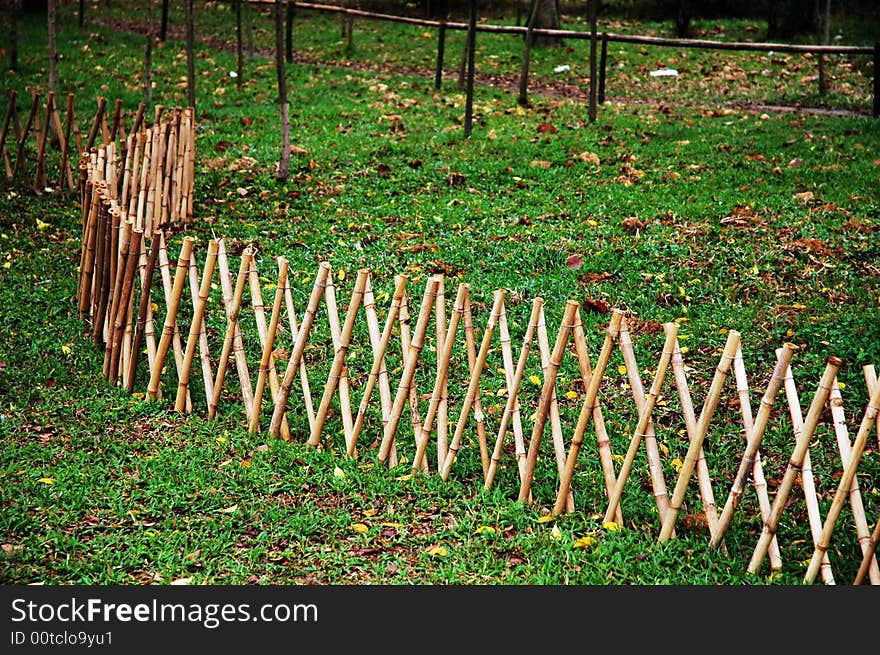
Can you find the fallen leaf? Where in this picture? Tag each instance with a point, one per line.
(584, 542)
(556, 533)
(338, 472)
(589, 158)
(436, 551)
(546, 518)
(360, 528)
(540, 163)
(371, 512)
(192, 555)
(546, 128)
(574, 261)
(182, 581)
(47, 480)
(611, 526)
(597, 305)
(534, 379)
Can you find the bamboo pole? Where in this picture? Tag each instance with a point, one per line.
(471, 350)
(634, 377)
(379, 364)
(145, 183)
(303, 372)
(509, 373)
(512, 404)
(868, 556)
(695, 446)
(143, 309)
(105, 283)
(20, 161)
(336, 337)
(472, 397)
(795, 464)
(844, 446)
(131, 262)
(671, 330)
(871, 382)
(336, 368)
(167, 288)
(298, 348)
(96, 123)
(547, 388)
(169, 326)
(858, 447)
(114, 126)
(7, 117)
(443, 407)
(411, 359)
(440, 379)
(587, 409)
(118, 253)
(378, 350)
(553, 415)
(134, 192)
(202, 334)
(268, 346)
(753, 443)
(87, 258)
(603, 442)
(808, 484)
(167, 176)
(758, 479)
(264, 334)
(196, 324)
(233, 310)
(244, 376)
(126, 173)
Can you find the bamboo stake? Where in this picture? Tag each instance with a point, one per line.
(268, 345)
(10, 109)
(169, 326)
(512, 404)
(695, 446)
(298, 348)
(587, 410)
(553, 415)
(411, 359)
(196, 324)
(835, 402)
(114, 126)
(20, 162)
(808, 485)
(758, 479)
(379, 364)
(96, 123)
(443, 407)
(105, 283)
(167, 288)
(547, 389)
(164, 207)
(260, 316)
(658, 483)
(87, 258)
(244, 376)
(138, 118)
(753, 443)
(336, 336)
(119, 254)
(849, 472)
(378, 349)
(202, 333)
(233, 310)
(871, 381)
(515, 418)
(131, 262)
(471, 349)
(671, 330)
(303, 372)
(440, 379)
(143, 309)
(795, 464)
(868, 556)
(336, 368)
(145, 185)
(177, 170)
(603, 442)
(126, 172)
(413, 398)
(152, 218)
(134, 191)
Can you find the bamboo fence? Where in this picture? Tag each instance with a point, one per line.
(432, 367)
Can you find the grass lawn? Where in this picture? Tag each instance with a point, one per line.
(680, 203)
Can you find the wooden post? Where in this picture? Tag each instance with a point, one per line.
(877, 79)
(441, 48)
(593, 85)
(469, 90)
(603, 60)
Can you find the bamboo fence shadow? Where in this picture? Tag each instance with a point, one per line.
(445, 384)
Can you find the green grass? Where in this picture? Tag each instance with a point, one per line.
(742, 220)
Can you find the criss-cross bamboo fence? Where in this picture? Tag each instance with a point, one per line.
(145, 169)
(414, 388)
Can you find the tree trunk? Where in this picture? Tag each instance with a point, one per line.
(284, 162)
(823, 33)
(190, 56)
(523, 98)
(547, 18)
(288, 35)
(163, 30)
(81, 12)
(53, 55)
(14, 9)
